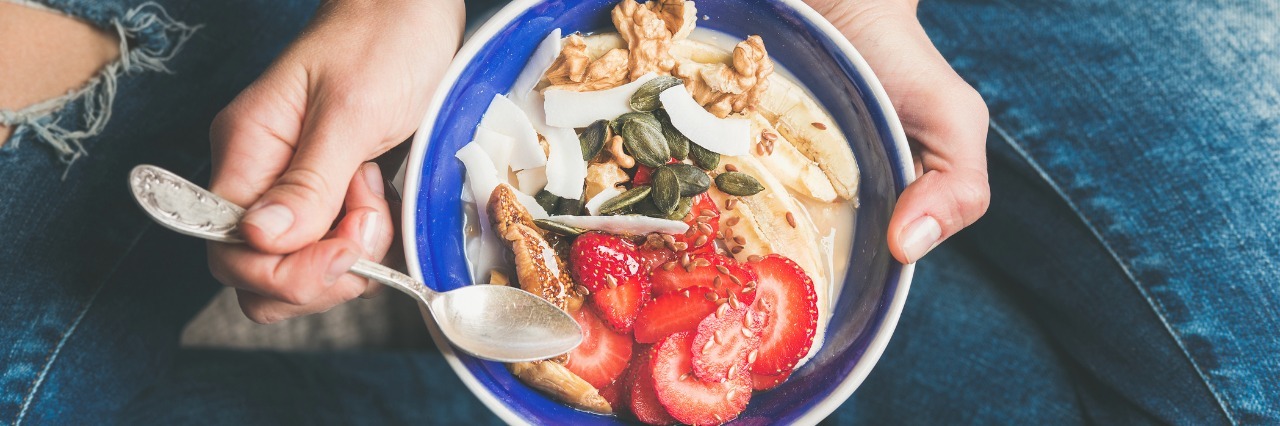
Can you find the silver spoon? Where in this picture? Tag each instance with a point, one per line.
(489, 321)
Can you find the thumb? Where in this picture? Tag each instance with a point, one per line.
(301, 205)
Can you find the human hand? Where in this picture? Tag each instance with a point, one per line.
(352, 86)
(945, 120)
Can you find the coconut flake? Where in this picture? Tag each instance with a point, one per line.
(505, 117)
(498, 147)
(566, 172)
(486, 252)
(530, 181)
(567, 108)
(593, 205)
(630, 225)
(547, 52)
(728, 136)
(482, 177)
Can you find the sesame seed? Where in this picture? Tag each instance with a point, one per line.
(722, 269)
(791, 219)
(819, 126)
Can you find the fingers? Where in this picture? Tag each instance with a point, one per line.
(313, 279)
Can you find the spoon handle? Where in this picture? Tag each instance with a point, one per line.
(186, 208)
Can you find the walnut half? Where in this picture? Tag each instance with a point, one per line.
(575, 70)
(648, 39)
(724, 89)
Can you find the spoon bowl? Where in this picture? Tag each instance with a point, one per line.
(493, 322)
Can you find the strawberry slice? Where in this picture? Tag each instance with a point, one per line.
(674, 312)
(620, 305)
(602, 261)
(653, 257)
(725, 341)
(618, 393)
(603, 354)
(708, 270)
(689, 399)
(785, 295)
(759, 382)
(609, 268)
(644, 398)
(704, 223)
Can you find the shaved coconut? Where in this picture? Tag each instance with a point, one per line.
(629, 225)
(530, 181)
(566, 171)
(567, 108)
(530, 204)
(728, 136)
(498, 147)
(487, 251)
(593, 205)
(538, 65)
(483, 179)
(503, 116)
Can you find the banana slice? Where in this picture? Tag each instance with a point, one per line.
(562, 384)
(787, 163)
(764, 223)
(799, 119)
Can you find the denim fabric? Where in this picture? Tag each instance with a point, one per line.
(1125, 274)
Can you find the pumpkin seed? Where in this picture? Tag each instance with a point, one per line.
(547, 200)
(678, 143)
(666, 190)
(558, 228)
(644, 141)
(646, 97)
(616, 124)
(593, 139)
(704, 158)
(624, 200)
(738, 183)
(693, 181)
(569, 206)
(682, 209)
(645, 208)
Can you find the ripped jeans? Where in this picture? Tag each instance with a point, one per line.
(1125, 273)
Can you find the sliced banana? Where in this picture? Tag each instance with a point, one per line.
(787, 163)
(562, 384)
(813, 132)
(764, 223)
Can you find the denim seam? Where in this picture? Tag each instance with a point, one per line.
(1156, 306)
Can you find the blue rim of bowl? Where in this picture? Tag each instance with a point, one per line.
(879, 106)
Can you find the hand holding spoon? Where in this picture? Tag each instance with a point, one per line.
(489, 321)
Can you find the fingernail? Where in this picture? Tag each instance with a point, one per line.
(272, 219)
(373, 178)
(920, 237)
(340, 265)
(369, 228)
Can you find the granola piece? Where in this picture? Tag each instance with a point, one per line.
(539, 269)
(648, 39)
(575, 70)
(727, 89)
(601, 176)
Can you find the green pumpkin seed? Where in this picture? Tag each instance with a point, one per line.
(547, 200)
(738, 183)
(593, 139)
(704, 158)
(616, 124)
(645, 142)
(678, 143)
(693, 181)
(666, 190)
(645, 208)
(682, 209)
(624, 200)
(558, 228)
(569, 206)
(646, 97)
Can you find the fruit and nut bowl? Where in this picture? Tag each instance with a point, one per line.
(683, 178)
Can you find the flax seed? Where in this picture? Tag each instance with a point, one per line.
(732, 221)
(729, 205)
(702, 262)
(735, 280)
(715, 282)
(755, 258)
(733, 301)
(668, 239)
(722, 269)
(791, 219)
(740, 240)
(720, 310)
(769, 136)
(736, 249)
(711, 297)
(702, 239)
(819, 126)
(730, 167)
(728, 233)
(688, 267)
(706, 229)
(760, 148)
(687, 217)
(669, 266)
(680, 246)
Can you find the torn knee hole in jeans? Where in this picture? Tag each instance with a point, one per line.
(148, 38)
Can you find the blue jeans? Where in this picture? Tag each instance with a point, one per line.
(1126, 271)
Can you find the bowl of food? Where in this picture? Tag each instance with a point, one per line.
(705, 187)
